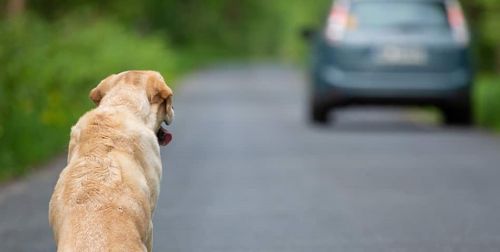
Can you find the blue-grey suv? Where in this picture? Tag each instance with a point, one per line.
(408, 52)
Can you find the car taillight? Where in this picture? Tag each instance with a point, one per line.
(337, 23)
(457, 22)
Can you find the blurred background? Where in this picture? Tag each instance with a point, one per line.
(53, 52)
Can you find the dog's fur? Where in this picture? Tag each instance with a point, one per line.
(105, 197)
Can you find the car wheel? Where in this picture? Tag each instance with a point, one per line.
(458, 115)
(318, 115)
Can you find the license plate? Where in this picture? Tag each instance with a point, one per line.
(396, 55)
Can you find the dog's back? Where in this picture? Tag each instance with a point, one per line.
(103, 204)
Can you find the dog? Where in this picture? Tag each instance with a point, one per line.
(105, 196)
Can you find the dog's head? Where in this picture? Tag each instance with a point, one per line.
(153, 97)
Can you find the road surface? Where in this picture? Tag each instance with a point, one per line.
(246, 173)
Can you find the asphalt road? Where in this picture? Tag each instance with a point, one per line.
(246, 173)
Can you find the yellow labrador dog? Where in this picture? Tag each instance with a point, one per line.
(105, 197)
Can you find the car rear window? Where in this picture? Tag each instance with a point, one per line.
(395, 14)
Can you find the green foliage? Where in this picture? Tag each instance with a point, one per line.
(50, 70)
(484, 19)
(244, 28)
(487, 102)
(251, 28)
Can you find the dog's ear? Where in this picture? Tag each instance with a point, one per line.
(169, 106)
(158, 93)
(102, 88)
(156, 89)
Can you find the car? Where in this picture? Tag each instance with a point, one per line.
(395, 52)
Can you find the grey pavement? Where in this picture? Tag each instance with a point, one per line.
(245, 172)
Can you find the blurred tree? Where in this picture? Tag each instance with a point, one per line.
(14, 8)
(243, 27)
(484, 20)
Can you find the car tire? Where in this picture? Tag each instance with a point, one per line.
(458, 115)
(318, 115)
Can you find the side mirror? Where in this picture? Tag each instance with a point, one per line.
(308, 33)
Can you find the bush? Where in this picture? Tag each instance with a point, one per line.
(244, 28)
(50, 69)
(487, 103)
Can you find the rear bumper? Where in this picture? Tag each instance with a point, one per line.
(431, 81)
(335, 88)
